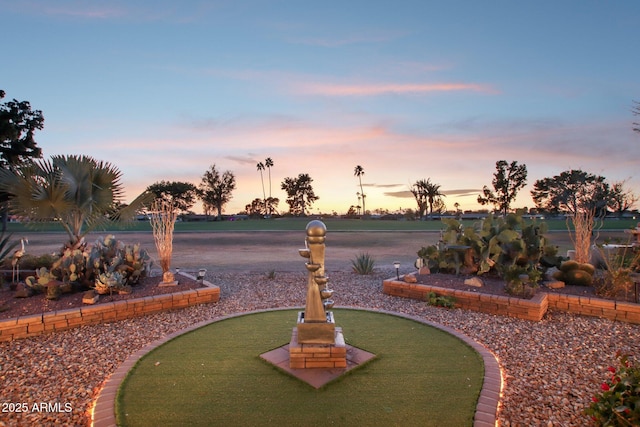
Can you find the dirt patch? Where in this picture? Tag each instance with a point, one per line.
(11, 307)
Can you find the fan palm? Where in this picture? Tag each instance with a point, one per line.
(79, 192)
(268, 163)
(359, 171)
(260, 167)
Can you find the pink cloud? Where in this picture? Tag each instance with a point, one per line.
(389, 88)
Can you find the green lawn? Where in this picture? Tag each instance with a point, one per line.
(421, 376)
(296, 224)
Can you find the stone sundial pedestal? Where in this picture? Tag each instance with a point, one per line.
(316, 342)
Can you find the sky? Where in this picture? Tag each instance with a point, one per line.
(408, 90)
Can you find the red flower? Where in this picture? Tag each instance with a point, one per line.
(594, 399)
(611, 369)
(605, 386)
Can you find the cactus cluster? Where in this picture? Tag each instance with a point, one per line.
(575, 273)
(501, 245)
(108, 265)
(71, 267)
(106, 283)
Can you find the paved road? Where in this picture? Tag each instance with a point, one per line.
(263, 251)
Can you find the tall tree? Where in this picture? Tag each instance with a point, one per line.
(260, 167)
(257, 208)
(418, 189)
(215, 189)
(268, 164)
(508, 179)
(79, 192)
(622, 199)
(300, 195)
(583, 196)
(427, 195)
(18, 123)
(180, 194)
(359, 171)
(572, 191)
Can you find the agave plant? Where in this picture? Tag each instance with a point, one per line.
(363, 263)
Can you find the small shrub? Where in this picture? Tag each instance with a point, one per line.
(440, 300)
(618, 402)
(363, 263)
(616, 281)
(520, 281)
(271, 274)
(34, 262)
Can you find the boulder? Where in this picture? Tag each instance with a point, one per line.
(474, 281)
(23, 291)
(554, 284)
(90, 297)
(424, 270)
(410, 278)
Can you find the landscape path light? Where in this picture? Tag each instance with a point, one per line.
(396, 265)
(201, 274)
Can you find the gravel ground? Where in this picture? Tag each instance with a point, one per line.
(551, 368)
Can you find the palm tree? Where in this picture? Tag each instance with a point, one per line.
(79, 192)
(433, 194)
(359, 171)
(268, 163)
(426, 193)
(260, 167)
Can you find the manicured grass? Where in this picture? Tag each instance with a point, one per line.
(214, 376)
(296, 224)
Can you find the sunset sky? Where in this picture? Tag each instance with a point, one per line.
(409, 90)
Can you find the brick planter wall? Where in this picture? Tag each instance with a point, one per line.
(532, 309)
(27, 326)
(614, 310)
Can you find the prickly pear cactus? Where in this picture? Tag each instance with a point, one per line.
(71, 267)
(496, 244)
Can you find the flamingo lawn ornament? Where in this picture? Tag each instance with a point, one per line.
(15, 262)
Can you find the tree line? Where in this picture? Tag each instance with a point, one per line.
(570, 192)
(83, 192)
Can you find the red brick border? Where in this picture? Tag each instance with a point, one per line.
(532, 309)
(28, 326)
